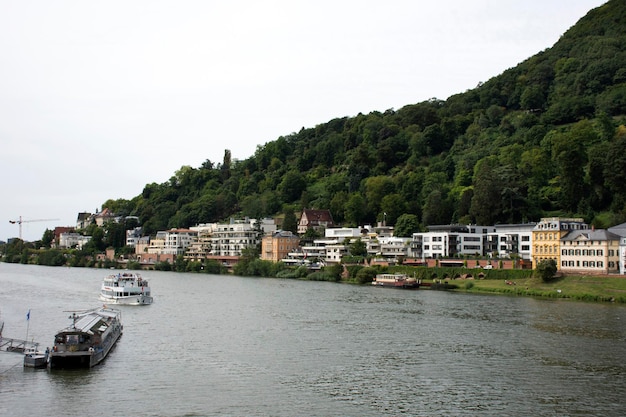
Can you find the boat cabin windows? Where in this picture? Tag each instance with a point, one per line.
(70, 339)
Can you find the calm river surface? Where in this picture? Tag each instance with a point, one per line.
(229, 346)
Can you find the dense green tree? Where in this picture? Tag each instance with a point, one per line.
(47, 238)
(356, 211)
(568, 152)
(115, 234)
(406, 225)
(392, 206)
(366, 275)
(547, 270)
(376, 188)
(337, 206)
(96, 243)
(226, 165)
(435, 209)
(292, 185)
(290, 223)
(358, 248)
(615, 167)
(600, 196)
(486, 201)
(52, 257)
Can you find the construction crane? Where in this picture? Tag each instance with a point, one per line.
(20, 221)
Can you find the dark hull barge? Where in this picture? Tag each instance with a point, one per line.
(88, 340)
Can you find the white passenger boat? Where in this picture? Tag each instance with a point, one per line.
(125, 288)
(88, 340)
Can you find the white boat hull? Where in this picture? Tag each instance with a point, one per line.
(127, 288)
(135, 300)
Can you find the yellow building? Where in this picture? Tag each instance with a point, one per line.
(277, 246)
(547, 236)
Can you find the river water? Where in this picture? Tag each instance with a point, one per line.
(215, 345)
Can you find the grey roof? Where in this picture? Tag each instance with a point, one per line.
(619, 230)
(590, 234)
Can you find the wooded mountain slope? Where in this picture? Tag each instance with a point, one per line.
(546, 137)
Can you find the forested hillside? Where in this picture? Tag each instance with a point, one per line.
(544, 138)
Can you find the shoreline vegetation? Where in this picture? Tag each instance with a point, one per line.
(604, 288)
(516, 282)
(570, 287)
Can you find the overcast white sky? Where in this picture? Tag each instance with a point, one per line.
(98, 99)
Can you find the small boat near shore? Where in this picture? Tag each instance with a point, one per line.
(125, 288)
(88, 340)
(395, 281)
(34, 358)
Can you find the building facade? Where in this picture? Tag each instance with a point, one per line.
(590, 252)
(510, 240)
(547, 234)
(73, 240)
(444, 241)
(620, 230)
(315, 219)
(278, 245)
(232, 238)
(171, 242)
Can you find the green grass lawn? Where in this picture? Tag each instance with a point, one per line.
(587, 288)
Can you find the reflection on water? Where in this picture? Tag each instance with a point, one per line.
(222, 345)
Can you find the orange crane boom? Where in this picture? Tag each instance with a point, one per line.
(20, 221)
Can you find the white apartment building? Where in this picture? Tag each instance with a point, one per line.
(442, 241)
(73, 240)
(341, 233)
(172, 242)
(200, 248)
(204, 228)
(133, 236)
(334, 252)
(511, 239)
(393, 247)
(232, 238)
